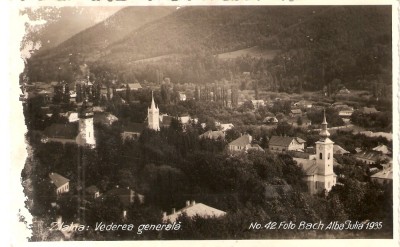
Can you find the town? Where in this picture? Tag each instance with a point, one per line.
(211, 156)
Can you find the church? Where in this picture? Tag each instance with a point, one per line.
(153, 115)
(318, 168)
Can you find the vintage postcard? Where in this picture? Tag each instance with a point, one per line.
(191, 120)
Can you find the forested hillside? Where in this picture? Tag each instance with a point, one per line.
(317, 46)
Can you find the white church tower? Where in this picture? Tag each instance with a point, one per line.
(86, 130)
(326, 178)
(153, 115)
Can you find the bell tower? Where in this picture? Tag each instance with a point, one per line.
(153, 115)
(324, 158)
(86, 130)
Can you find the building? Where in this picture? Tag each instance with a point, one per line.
(241, 143)
(182, 96)
(225, 127)
(383, 177)
(339, 150)
(134, 86)
(61, 183)
(285, 143)
(86, 130)
(93, 192)
(368, 110)
(303, 104)
(370, 157)
(61, 133)
(125, 195)
(153, 117)
(382, 148)
(270, 120)
(346, 112)
(257, 103)
(132, 131)
(191, 210)
(296, 113)
(104, 118)
(319, 173)
(214, 135)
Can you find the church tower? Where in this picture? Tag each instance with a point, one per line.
(86, 130)
(324, 159)
(153, 115)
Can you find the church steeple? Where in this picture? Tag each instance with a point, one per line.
(153, 115)
(324, 130)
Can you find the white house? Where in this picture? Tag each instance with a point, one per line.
(61, 183)
(193, 209)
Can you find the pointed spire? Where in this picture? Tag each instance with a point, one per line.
(324, 130)
(153, 104)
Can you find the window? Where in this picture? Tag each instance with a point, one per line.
(320, 156)
(316, 185)
(329, 156)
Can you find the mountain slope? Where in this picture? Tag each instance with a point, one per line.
(91, 41)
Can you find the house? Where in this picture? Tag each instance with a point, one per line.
(225, 127)
(370, 157)
(135, 86)
(344, 90)
(382, 148)
(191, 210)
(242, 143)
(72, 117)
(285, 143)
(93, 192)
(125, 195)
(61, 183)
(258, 103)
(368, 110)
(104, 118)
(214, 135)
(182, 96)
(346, 112)
(132, 131)
(339, 150)
(296, 113)
(270, 120)
(383, 177)
(184, 119)
(304, 104)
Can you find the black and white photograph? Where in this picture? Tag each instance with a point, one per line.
(208, 122)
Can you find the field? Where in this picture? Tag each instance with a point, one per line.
(254, 51)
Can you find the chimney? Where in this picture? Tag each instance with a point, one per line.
(187, 203)
(193, 202)
(173, 210)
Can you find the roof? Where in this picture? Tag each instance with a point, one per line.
(104, 118)
(384, 174)
(125, 195)
(296, 111)
(284, 140)
(369, 110)
(339, 150)
(241, 141)
(310, 167)
(166, 120)
(64, 131)
(57, 179)
(194, 209)
(299, 154)
(92, 189)
(256, 147)
(382, 148)
(369, 155)
(134, 127)
(213, 135)
(135, 86)
(226, 126)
